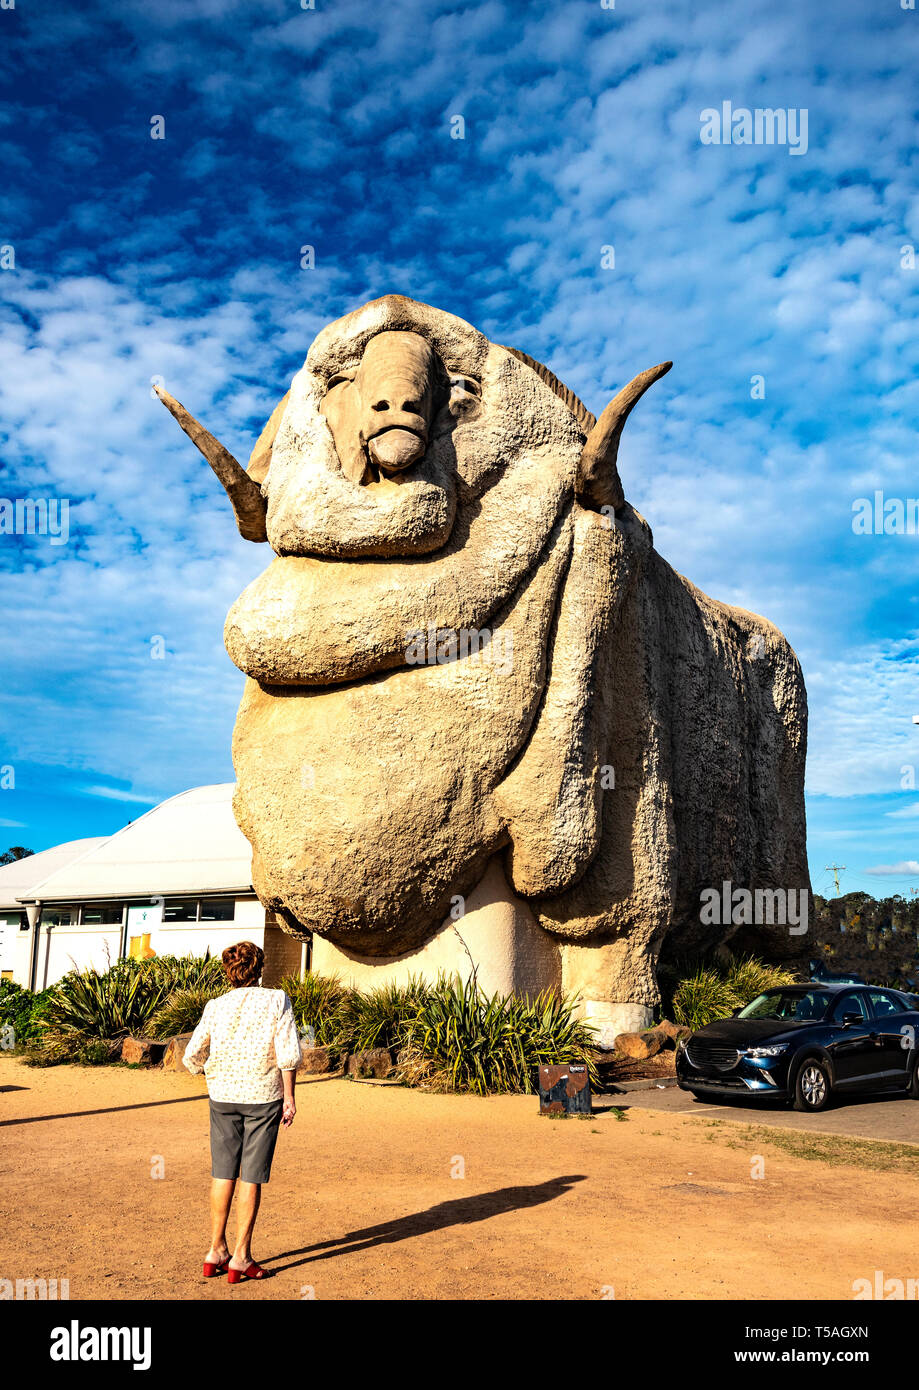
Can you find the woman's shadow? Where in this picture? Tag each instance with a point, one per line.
(460, 1212)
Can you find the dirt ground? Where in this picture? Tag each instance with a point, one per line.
(382, 1192)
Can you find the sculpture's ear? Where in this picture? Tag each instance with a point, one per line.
(244, 492)
(260, 458)
(598, 483)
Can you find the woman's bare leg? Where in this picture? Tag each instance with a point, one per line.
(247, 1205)
(221, 1200)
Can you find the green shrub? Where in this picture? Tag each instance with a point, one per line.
(701, 997)
(462, 1040)
(90, 1007)
(22, 1010)
(448, 1035)
(748, 977)
(181, 1012)
(712, 990)
(323, 1003)
(186, 972)
(380, 1018)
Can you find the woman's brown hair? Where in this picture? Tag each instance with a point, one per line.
(243, 963)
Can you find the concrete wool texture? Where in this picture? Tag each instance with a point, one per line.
(374, 790)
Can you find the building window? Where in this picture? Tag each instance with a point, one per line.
(217, 910)
(13, 919)
(180, 910)
(102, 915)
(59, 916)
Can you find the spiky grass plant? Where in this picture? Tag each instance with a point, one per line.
(711, 990)
(89, 1007)
(324, 1004)
(181, 1011)
(381, 1017)
(747, 977)
(186, 972)
(464, 1040)
(701, 997)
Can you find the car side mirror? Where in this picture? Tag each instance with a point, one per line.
(849, 1020)
(735, 1012)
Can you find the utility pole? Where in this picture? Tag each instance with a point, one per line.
(835, 870)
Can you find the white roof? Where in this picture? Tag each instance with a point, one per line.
(189, 844)
(18, 879)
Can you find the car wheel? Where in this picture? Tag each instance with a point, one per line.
(812, 1087)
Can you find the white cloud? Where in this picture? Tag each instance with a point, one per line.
(116, 794)
(907, 868)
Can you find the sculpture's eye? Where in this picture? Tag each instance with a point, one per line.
(465, 397)
(338, 379)
(465, 386)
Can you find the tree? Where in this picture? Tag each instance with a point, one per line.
(15, 852)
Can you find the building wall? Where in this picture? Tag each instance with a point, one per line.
(64, 948)
(21, 957)
(283, 954)
(9, 934)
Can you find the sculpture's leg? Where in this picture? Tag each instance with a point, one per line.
(615, 982)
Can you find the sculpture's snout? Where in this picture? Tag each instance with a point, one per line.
(396, 386)
(397, 448)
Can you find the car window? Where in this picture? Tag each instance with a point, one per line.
(884, 1003)
(795, 1005)
(850, 1003)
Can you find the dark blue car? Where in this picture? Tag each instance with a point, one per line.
(807, 1044)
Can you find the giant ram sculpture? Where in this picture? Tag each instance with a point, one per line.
(484, 720)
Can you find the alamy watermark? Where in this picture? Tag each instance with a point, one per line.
(761, 126)
(30, 1290)
(885, 516)
(439, 646)
(36, 516)
(740, 907)
(883, 1288)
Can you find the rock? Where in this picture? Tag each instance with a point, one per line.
(636, 1046)
(314, 1060)
(375, 1063)
(674, 1031)
(657, 1040)
(142, 1051)
(477, 586)
(175, 1051)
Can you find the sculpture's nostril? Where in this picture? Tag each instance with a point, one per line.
(381, 405)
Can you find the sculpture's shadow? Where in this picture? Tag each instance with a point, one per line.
(463, 1211)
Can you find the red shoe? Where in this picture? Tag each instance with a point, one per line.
(253, 1272)
(221, 1268)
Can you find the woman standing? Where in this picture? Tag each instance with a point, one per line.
(247, 1046)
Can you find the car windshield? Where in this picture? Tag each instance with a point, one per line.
(792, 1004)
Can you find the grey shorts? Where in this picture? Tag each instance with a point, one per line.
(243, 1139)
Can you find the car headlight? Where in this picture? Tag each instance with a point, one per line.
(774, 1051)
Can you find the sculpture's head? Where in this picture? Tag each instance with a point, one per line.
(381, 412)
(398, 409)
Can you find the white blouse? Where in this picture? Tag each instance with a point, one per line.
(245, 1039)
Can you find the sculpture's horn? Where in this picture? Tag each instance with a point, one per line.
(598, 483)
(244, 493)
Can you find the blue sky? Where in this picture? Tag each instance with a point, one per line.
(179, 259)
